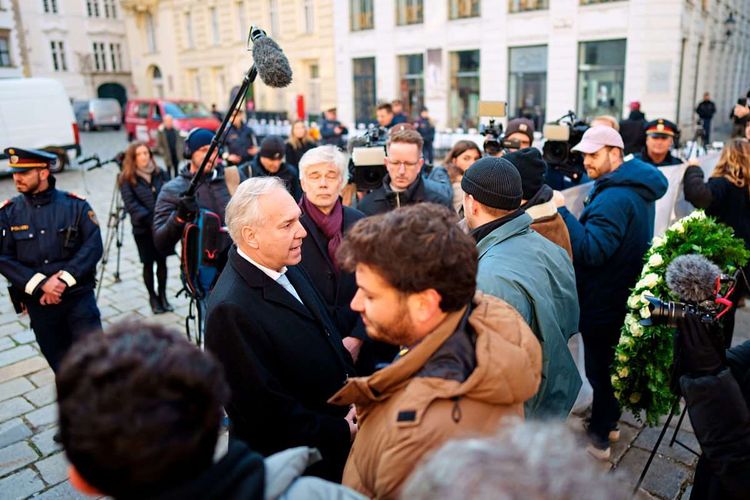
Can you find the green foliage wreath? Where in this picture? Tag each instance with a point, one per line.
(643, 358)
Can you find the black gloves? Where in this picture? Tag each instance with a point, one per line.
(699, 346)
(187, 208)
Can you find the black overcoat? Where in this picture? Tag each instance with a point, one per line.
(282, 360)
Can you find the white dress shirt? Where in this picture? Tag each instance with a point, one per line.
(278, 277)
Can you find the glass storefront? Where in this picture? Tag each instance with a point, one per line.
(411, 83)
(601, 78)
(464, 89)
(365, 95)
(527, 83)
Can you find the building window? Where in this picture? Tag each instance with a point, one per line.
(601, 78)
(411, 83)
(409, 12)
(464, 89)
(241, 22)
(273, 8)
(526, 5)
(5, 49)
(58, 56)
(214, 26)
(364, 89)
(92, 8)
(197, 85)
(459, 9)
(313, 91)
(50, 6)
(309, 14)
(100, 57)
(150, 33)
(110, 11)
(591, 2)
(189, 30)
(527, 84)
(362, 15)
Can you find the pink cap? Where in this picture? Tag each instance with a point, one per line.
(635, 105)
(595, 138)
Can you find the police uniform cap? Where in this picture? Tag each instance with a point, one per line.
(661, 128)
(22, 160)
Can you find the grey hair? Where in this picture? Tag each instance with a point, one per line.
(533, 460)
(243, 210)
(326, 154)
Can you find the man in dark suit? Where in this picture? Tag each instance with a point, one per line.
(266, 323)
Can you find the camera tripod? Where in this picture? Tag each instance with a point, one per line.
(115, 227)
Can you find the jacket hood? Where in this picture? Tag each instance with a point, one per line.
(507, 368)
(641, 177)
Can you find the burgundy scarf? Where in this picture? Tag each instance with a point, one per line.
(331, 225)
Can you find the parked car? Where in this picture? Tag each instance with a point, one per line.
(144, 116)
(98, 113)
(35, 113)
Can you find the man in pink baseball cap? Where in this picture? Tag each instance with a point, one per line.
(609, 241)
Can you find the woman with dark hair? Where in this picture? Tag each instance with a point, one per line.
(726, 195)
(462, 155)
(298, 144)
(140, 182)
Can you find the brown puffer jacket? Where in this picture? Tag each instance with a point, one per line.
(550, 224)
(460, 380)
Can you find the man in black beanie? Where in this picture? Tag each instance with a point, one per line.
(270, 162)
(529, 272)
(537, 197)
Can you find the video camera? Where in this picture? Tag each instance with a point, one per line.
(367, 163)
(494, 139)
(560, 137)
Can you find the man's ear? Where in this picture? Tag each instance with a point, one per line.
(80, 484)
(249, 237)
(424, 305)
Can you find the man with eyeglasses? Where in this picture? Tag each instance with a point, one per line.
(403, 184)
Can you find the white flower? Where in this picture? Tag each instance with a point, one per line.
(630, 319)
(634, 302)
(645, 313)
(649, 281)
(622, 357)
(655, 260)
(657, 242)
(635, 329)
(696, 215)
(678, 226)
(643, 300)
(624, 372)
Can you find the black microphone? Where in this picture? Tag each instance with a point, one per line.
(692, 277)
(272, 65)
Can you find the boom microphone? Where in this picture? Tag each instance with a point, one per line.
(272, 65)
(692, 278)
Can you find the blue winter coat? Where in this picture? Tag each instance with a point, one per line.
(610, 239)
(536, 277)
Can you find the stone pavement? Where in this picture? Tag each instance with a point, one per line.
(33, 465)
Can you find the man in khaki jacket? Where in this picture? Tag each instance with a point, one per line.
(467, 360)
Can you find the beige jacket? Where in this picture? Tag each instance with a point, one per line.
(416, 404)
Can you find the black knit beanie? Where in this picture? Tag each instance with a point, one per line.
(494, 182)
(531, 166)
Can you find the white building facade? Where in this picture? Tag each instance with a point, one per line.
(11, 64)
(80, 43)
(544, 57)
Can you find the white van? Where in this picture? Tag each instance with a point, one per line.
(35, 113)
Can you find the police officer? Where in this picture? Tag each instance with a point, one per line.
(240, 141)
(659, 140)
(50, 244)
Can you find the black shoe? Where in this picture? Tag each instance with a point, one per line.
(57, 438)
(165, 305)
(156, 306)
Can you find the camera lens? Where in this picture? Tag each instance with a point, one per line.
(555, 152)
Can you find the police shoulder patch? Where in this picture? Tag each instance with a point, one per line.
(5, 203)
(76, 196)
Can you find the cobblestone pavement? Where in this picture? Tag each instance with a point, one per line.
(32, 464)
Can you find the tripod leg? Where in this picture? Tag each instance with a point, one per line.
(656, 447)
(120, 233)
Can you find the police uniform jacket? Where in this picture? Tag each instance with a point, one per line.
(288, 173)
(669, 160)
(212, 194)
(36, 241)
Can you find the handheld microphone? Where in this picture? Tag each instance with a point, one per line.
(272, 65)
(693, 278)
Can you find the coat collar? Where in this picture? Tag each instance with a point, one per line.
(519, 225)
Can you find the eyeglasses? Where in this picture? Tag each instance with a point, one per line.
(405, 164)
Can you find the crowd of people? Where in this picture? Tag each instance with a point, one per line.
(388, 345)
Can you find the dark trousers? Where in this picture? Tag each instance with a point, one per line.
(707, 130)
(599, 353)
(58, 326)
